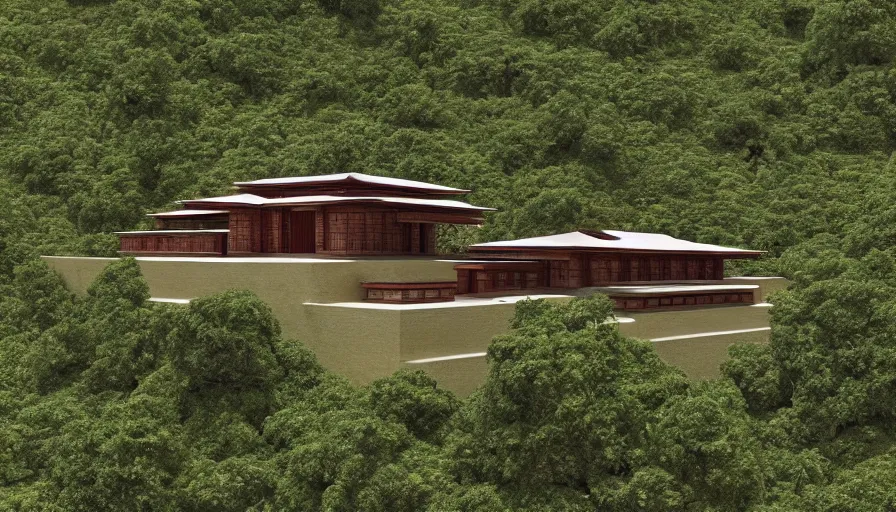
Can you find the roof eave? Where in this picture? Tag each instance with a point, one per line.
(445, 190)
(204, 202)
(189, 214)
(732, 255)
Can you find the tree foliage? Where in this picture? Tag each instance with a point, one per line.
(761, 123)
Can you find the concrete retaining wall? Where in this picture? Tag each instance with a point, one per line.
(317, 302)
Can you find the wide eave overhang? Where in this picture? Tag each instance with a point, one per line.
(348, 180)
(609, 242)
(610, 250)
(253, 201)
(187, 213)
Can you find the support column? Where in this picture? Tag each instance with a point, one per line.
(320, 230)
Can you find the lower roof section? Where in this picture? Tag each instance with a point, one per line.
(674, 289)
(187, 213)
(609, 240)
(170, 232)
(459, 302)
(238, 200)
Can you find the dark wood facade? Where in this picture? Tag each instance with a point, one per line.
(671, 299)
(330, 230)
(579, 270)
(212, 243)
(410, 293)
(344, 214)
(333, 230)
(192, 223)
(488, 277)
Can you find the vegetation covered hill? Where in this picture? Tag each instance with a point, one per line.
(110, 402)
(756, 122)
(763, 123)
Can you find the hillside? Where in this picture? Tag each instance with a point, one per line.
(769, 124)
(762, 123)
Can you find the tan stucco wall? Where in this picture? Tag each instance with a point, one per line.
(364, 343)
(361, 344)
(427, 333)
(767, 285)
(78, 272)
(700, 357)
(273, 279)
(676, 322)
(462, 376)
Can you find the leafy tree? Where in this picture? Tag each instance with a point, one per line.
(226, 340)
(761, 123)
(413, 399)
(564, 404)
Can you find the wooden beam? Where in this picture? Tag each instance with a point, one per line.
(438, 218)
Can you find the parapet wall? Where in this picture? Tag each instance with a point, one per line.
(275, 280)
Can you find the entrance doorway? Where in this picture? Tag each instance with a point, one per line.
(301, 231)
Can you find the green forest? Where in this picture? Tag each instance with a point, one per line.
(767, 124)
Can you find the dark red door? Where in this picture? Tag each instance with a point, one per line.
(301, 231)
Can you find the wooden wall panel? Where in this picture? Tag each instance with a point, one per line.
(393, 233)
(439, 218)
(410, 293)
(692, 268)
(355, 233)
(574, 275)
(199, 222)
(320, 239)
(374, 231)
(205, 243)
(430, 234)
(609, 269)
(245, 230)
(709, 270)
(463, 281)
(671, 300)
(559, 274)
(337, 231)
(656, 268)
(272, 231)
(679, 268)
(415, 238)
(483, 282)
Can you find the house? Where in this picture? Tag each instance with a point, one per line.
(637, 270)
(347, 214)
(348, 264)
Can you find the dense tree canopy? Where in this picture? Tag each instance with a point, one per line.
(760, 122)
(764, 123)
(110, 401)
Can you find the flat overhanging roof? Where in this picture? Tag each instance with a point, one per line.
(174, 232)
(254, 200)
(610, 240)
(187, 213)
(674, 289)
(350, 177)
